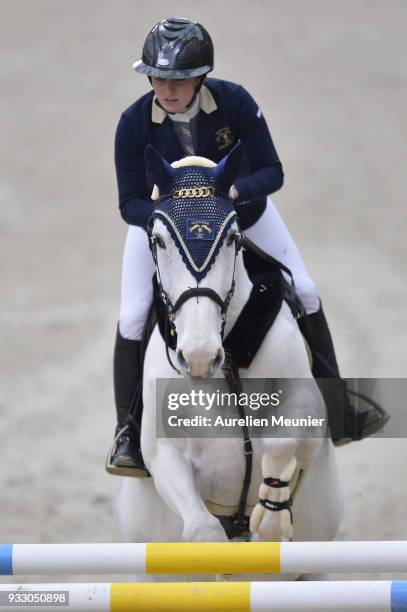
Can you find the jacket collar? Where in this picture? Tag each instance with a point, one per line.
(206, 103)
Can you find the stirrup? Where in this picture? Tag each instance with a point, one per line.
(128, 467)
(371, 427)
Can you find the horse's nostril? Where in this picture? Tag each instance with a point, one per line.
(181, 357)
(219, 358)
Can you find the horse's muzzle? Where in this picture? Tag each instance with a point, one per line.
(200, 364)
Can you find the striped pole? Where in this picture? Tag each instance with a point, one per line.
(376, 596)
(203, 558)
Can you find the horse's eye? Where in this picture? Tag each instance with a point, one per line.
(159, 241)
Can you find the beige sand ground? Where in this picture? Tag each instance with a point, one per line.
(331, 79)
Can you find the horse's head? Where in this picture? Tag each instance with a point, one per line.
(195, 240)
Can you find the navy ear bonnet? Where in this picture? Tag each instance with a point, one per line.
(197, 217)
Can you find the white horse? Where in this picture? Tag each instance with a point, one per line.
(192, 476)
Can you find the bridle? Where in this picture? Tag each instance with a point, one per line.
(172, 309)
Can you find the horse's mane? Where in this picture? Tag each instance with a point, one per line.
(191, 160)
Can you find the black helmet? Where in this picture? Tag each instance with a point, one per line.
(176, 48)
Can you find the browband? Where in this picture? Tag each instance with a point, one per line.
(194, 192)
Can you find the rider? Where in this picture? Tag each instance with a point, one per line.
(187, 114)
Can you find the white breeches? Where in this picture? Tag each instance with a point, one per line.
(269, 233)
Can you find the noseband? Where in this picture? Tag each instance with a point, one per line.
(172, 309)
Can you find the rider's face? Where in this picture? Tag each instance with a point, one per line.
(174, 94)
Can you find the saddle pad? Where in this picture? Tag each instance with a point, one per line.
(256, 318)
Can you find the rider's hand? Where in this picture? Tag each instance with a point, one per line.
(233, 193)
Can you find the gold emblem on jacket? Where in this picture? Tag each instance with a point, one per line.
(224, 137)
(195, 192)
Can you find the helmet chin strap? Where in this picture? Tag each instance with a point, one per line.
(197, 90)
(188, 106)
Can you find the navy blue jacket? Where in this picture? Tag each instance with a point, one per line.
(237, 117)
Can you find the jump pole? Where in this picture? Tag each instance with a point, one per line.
(375, 596)
(202, 558)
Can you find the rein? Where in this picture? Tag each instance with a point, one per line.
(239, 521)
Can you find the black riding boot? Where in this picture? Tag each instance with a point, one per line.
(125, 457)
(345, 422)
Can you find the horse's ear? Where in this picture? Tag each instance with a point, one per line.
(228, 168)
(158, 169)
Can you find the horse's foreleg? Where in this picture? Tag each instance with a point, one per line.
(271, 519)
(174, 480)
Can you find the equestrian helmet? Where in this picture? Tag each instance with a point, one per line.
(176, 48)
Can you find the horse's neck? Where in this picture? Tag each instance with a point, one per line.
(243, 287)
